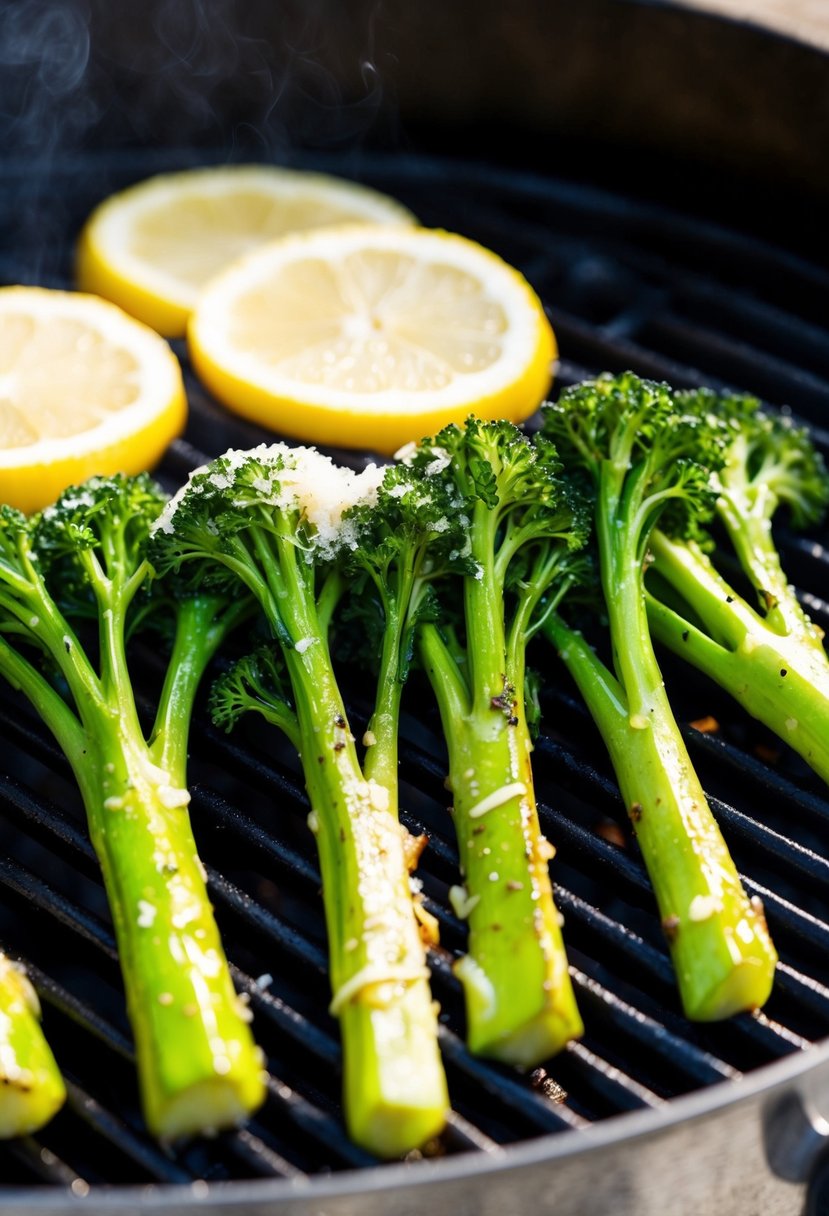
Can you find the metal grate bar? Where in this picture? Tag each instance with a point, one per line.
(121, 1138)
(46, 1166)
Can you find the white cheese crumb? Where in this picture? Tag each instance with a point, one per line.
(792, 724)
(369, 739)
(441, 460)
(172, 796)
(302, 645)
(378, 796)
(703, 907)
(369, 976)
(462, 902)
(546, 851)
(497, 798)
(113, 804)
(146, 914)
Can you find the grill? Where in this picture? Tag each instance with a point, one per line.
(626, 284)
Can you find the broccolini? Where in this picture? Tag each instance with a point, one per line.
(273, 520)
(769, 656)
(650, 461)
(83, 560)
(520, 532)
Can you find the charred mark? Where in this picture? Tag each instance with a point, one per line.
(670, 927)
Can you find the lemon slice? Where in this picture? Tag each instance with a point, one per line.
(153, 247)
(84, 389)
(372, 336)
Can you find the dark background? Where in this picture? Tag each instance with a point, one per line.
(712, 116)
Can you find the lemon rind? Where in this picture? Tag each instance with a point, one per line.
(382, 420)
(105, 264)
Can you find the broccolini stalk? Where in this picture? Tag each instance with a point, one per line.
(198, 1066)
(770, 658)
(31, 1087)
(272, 519)
(643, 455)
(520, 536)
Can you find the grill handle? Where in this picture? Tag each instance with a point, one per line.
(796, 1138)
(817, 1199)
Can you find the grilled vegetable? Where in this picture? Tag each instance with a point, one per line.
(650, 461)
(31, 1087)
(520, 534)
(272, 520)
(83, 560)
(770, 657)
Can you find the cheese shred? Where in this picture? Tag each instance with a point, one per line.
(367, 977)
(497, 798)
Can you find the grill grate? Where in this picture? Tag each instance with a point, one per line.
(626, 285)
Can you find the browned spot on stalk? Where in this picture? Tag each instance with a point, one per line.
(670, 927)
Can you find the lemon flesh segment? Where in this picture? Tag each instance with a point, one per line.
(84, 389)
(372, 337)
(153, 247)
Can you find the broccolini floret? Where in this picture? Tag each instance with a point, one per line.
(769, 656)
(518, 540)
(83, 561)
(650, 460)
(273, 520)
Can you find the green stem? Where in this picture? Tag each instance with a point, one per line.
(484, 617)
(198, 1066)
(202, 623)
(381, 757)
(519, 1000)
(51, 707)
(725, 615)
(750, 534)
(394, 1087)
(719, 943)
(781, 681)
(31, 1087)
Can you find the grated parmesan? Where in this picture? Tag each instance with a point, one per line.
(497, 798)
(368, 977)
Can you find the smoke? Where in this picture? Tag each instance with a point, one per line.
(44, 57)
(95, 93)
(279, 76)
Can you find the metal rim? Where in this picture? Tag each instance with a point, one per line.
(629, 1127)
